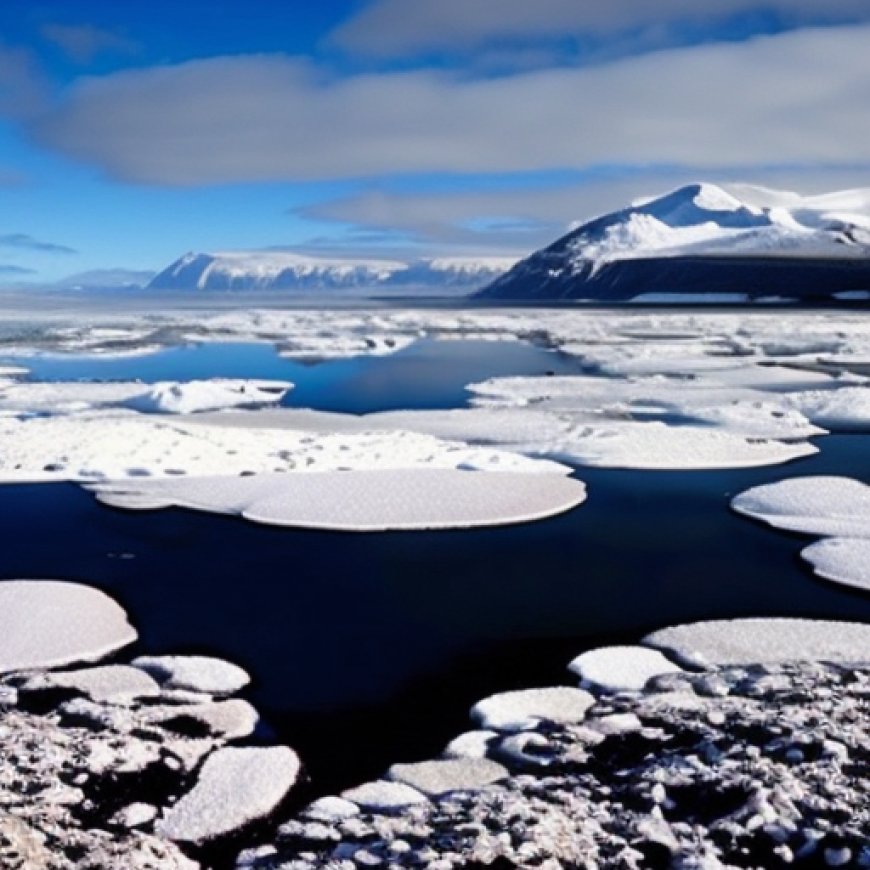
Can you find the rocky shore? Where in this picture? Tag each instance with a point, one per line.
(152, 763)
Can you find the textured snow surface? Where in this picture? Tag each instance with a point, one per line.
(205, 674)
(812, 505)
(843, 410)
(842, 560)
(384, 795)
(362, 500)
(116, 445)
(618, 668)
(234, 788)
(446, 775)
(45, 623)
(774, 639)
(118, 684)
(524, 709)
(211, 395)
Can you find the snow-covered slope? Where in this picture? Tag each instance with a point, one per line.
(689, 239)
(279, 270)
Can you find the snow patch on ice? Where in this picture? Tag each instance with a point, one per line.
(757, 640)
(620, 668)
(48, 623)
(524, 709)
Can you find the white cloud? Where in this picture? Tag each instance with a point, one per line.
(800, 97)
(541, 215)
(83, 42)
(388, 28)
(22, 87)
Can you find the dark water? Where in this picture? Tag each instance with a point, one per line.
(368, 649)
(427, 374)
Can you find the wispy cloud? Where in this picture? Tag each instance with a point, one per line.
(257, 118)
(12, 270)
(23, 241)
(389, 28)
(521, 219)
(83, 42)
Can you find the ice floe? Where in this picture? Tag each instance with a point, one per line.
(844, 410)
(384, 796)
(173, 397)
(446, 775)
(235, 787)
(361, 500)
(206, 674)
(117, 684)
(620, 668)
(842, 560)
(46, 623)
(769, 639)
(524, 709)
(816, 505)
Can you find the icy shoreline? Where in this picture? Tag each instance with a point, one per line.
(151, 764)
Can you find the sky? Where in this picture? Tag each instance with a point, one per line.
(133, 132)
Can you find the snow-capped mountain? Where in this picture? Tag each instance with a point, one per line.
(704, 238)
(279, 270)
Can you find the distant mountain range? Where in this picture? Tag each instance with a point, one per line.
(705, 243)
(278, 270)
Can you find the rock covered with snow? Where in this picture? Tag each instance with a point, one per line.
(46, 623)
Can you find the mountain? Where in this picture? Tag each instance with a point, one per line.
(102, 279)
(705, 241)
(279, 270)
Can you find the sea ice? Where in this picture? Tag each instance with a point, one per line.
(234, 788)
(813, 505)
(620, 668)
(471, 744)
(384, 796)
(206, 674)
(47, 623)
(427, 498)
(774, 639)
(842, 560)
(524, 709)
(191, 397)
(844, 410)
(115, 684)
(436, 778)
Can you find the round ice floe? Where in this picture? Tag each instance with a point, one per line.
(812, 505)
(618, 668)
(445, 775)
(117, 684)
(841, 560)
(524, 709)
(206, 674)
(235, 787)
(45, 623)
(774, 639)
(231, 719)
(471, 744)
(364, 500)
(384, 796)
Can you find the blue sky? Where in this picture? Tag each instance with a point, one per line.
(133, 132)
